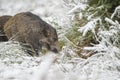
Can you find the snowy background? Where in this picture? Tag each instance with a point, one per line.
(15, 64)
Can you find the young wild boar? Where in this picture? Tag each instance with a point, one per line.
(3, 20)
(28, 28)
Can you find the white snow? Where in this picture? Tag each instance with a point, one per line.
(116, 12)
(90, 26)
(15, 64)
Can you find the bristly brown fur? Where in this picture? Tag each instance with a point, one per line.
(3, 20)
(29, 28)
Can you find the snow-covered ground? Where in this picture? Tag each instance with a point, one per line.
(15, 64)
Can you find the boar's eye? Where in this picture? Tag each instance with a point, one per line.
(55, 39)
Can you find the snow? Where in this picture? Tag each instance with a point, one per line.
(89, 26)
(15, 64)
(116, 12)
(110, 21)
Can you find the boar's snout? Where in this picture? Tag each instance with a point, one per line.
(55, 49)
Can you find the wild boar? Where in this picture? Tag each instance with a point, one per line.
(3, 20)
(29, 28)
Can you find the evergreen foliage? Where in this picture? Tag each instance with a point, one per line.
(108, 5)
